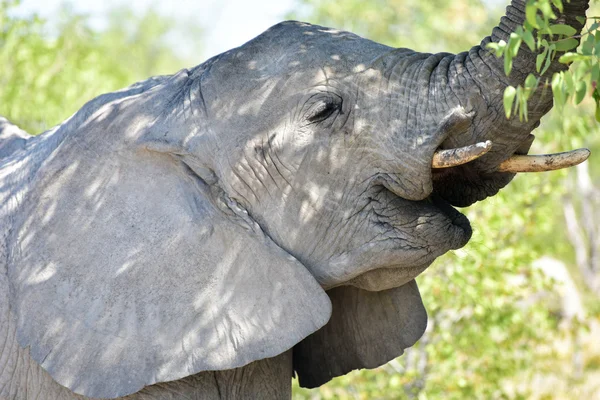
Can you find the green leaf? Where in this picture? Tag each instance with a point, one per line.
(596, 94)
(596, 42)
(596, 72)
(522, 104)
(588, 45)
(512, 49)
(582, 69)
(531, 82)
(539, 60)
(562, 29)
(509, 97)
(566, 44)
(494, 47)
(558, 4)
(546, 10)
(569, 81)
(497, 48)
(508, 63)
(558, 90)
(549, 57)
(570, 57)
(543, 24)
(580, 91)
(581, 20)
(530, 15)
(529, 40)
(514, 43)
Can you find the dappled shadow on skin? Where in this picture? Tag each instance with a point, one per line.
(125, 271)
(189, 223)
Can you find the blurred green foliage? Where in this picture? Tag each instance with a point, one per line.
(494, 324)
(495, 321)
(428, 26)
(47, 73)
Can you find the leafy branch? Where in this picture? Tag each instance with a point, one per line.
(550, 40)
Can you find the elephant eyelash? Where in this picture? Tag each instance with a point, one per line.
(323, 109)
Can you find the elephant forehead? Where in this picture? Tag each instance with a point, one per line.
(294, 46)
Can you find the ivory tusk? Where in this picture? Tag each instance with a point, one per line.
(544, 162)
(461, 155)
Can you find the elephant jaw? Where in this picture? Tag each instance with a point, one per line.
(404, 248)
(397, 275)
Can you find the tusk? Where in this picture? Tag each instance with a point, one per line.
(544, 162)
(461, 155)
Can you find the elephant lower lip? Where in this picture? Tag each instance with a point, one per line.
(457, 219)
(458, 225)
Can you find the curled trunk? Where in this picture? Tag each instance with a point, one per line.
(475, 81)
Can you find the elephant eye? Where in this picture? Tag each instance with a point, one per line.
(323, 108)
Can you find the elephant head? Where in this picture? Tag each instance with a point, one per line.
(194, 222)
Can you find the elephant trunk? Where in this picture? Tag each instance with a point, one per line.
(475, 82)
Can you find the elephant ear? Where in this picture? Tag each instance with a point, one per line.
(367, 329)
(127, 269)
(11, 138)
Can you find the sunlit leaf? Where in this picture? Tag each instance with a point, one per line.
(569, 81)
(514, 43)
(508, 63)
(580, 91)
(570, 57)
(595, 72)
(509, 97)
(558, 4)
(529, 40)
(530, 15)
(588, 45)
(531, 82)
(596, 42)
(549, 57)
(557, 89)
(566, 44)
(562, 29)
(539, 60)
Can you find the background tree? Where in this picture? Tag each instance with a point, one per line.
(430, 26)
(47, 73)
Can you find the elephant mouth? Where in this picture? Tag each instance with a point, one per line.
(402, 238)
(434, 220)
(435, 226)
(456, 218)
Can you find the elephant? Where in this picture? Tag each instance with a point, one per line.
(211, 233)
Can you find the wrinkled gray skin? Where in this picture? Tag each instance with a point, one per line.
(193, 229)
